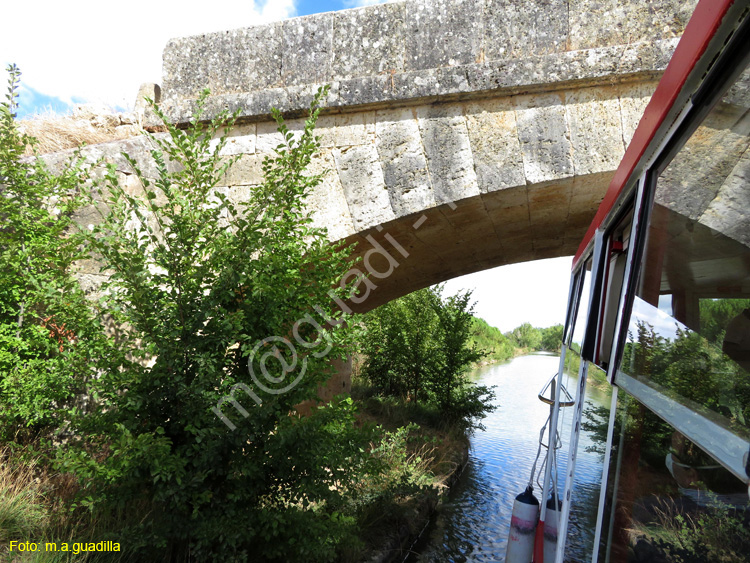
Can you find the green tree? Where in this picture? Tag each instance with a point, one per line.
(420, 344)
(551, 338)
(223, 307)
(400, 345)
(526, 336)
(454, 315)
(715, 315)
(489, 338)
(51, 343)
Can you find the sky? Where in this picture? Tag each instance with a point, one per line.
(88, 51)
(506, 297)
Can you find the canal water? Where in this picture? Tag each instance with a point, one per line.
(472, 525)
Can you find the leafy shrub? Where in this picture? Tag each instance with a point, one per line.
(51, 342)
(199, 279)
(419, 346)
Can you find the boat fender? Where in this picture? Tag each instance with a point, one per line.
(550, 528)
(522, 527)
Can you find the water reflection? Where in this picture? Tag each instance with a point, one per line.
(474, 521)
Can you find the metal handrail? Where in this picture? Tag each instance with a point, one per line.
(566, 401)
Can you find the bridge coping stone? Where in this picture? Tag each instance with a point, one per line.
(418, 50)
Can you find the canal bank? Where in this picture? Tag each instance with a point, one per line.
(471, 523)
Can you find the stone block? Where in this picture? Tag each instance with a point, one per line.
(633, 101)
(403, 161)
(552, 198)
(494, 144)
(240, 194)
(307, 50)
(346, 129)
(511, 231)
(268, 136)
(514, 29)
(327, 201)
(240, 140)
(368, 41)
(509, 197)
(445, 138)
(544, 137)
(511, 215)
(729, 212)
(366, 89)
(365, 190)
(739, 92)
(594, 23)
(246, 171)
(442, 33)
(239, 60)
(595, 129)
(693, 180)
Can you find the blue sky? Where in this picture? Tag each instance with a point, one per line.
(83, 51)
(75, 51)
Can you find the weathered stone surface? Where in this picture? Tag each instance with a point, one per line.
(739, 93)
(596, 22)
(448, 150)
(142, 112)
(544, 137)
(240, 60)
(307, 50)
(494, 144)
(728, 213)
(595, 129)
(403, 161)
(719, 137)
(442, 33)
(633, 101)
(345, 130)
(246, 171)
(327, 201)
(536, 74)
(268, 136)
(514, 30)
(417, 49)
(364, 187)
(368, 41)
(241, 140)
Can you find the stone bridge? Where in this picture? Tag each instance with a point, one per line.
(459, 135)
(475, 133)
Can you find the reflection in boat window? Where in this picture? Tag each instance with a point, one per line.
(667, 500)
(689, 331)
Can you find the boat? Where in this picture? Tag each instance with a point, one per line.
(659, 315)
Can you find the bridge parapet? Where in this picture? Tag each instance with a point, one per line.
(418, 51)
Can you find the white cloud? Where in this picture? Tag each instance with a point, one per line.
(102, 52)
(535, 292)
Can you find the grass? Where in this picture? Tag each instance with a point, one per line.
(56, 133)
(419, 452)
(31, 510)
(419, 448)
(717, 533)
(23, 510)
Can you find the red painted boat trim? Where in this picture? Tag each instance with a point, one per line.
(700, 30)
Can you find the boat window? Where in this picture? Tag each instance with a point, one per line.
(584, 467)
(581, 309)
(618, 242)
(688, 335)
(666, 499)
